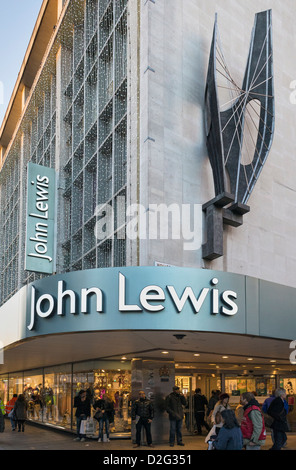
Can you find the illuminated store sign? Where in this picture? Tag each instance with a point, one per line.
(40, 219)
(121, 295)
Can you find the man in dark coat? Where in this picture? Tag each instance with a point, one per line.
(143, 408)
(199, 403)
(82, 405)
(279, 414)
(174, 406)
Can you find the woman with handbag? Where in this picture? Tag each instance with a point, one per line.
(104, 415)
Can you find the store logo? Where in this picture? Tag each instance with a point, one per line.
(40, 219)
(152, 299)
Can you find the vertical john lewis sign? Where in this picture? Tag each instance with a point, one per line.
(40, 219)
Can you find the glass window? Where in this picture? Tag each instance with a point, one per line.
(33, 388)
(106, 378)
(15, 384)
(4, 389)
(57, 395)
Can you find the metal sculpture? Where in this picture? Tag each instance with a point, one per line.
(245, 120)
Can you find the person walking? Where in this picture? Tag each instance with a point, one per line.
(144, 410)
(221, 405)
(278, 412)
(82, 405)
(230, 435)
(174, 406)
(104, 411)
(199, 403)
(9, 409)
(20, 412)
(268, 419)
(252, 425)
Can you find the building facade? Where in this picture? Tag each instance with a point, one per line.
(104, 180)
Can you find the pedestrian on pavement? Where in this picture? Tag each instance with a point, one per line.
(9, 409)
(268, 419)
(20, 410)
(230, 436)
(82, 405)
(221, 405)
(252, 425)
(199, 403)
(143, 412)
(278, 412)
(104, 415)
(174, 406)
(2, 413)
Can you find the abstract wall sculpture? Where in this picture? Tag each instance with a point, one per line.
(239, 132)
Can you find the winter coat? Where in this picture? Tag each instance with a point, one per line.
(277, 411)
(10, 405)
(20, 410)
(252, 425)
(174, 405)
(229, 439)
(143, 408)
(199, 402)
(82, 407)
(107, 406)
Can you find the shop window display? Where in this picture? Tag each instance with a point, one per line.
(114, 383)
(4, 388)
(57, 396)
(33, 389)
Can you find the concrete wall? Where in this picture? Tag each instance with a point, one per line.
(175, 44)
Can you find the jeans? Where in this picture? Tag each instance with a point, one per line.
(175, 429)
(101, 427)
(78, 423)
(279, 439)
(147, 426)
(200, 421)
(12, 422)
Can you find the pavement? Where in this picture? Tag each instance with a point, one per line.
(41, 438)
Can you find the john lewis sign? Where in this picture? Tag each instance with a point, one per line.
(40, 219)
(136, 298)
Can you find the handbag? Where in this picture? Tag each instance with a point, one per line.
(98, 415)
(11, 415)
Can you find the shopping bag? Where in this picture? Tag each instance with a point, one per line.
(89, 427)
(82, 429)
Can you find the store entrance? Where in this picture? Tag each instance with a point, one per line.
(188, 384)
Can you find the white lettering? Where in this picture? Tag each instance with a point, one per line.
(293, 353)
(121, 301)
(61, 295)
(226, 296)
(188, 293)
(145, 298)
(84, 295)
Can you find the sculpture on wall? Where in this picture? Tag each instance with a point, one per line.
(239, 132)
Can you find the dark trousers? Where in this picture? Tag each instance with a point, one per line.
(21, 424)
(279, 439)
(175, 430)
(143, 422)
(200, 421)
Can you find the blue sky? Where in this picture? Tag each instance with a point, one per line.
(18, 18)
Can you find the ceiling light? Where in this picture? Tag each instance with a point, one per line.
(164, 352)
(250, 359)
(225, 357)
(196, 355)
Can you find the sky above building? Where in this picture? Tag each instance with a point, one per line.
(18, 18)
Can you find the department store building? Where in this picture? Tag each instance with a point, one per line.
(123, 265)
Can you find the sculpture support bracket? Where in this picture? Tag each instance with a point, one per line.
(220, 211)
